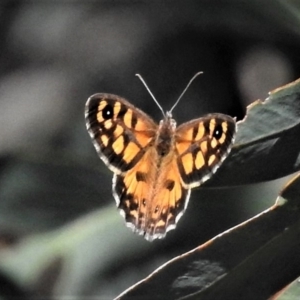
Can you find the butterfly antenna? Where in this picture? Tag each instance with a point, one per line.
(144, 83)
(195, 76)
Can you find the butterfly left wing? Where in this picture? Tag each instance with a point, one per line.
(151, 197)
(202, 145)
(120, 132)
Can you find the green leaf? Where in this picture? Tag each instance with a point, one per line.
(291, 292)
(34, 255)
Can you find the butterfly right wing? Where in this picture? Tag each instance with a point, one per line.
(120, 132)
(202, 145)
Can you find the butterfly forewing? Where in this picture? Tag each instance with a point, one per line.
(120, 132)
(202, 145)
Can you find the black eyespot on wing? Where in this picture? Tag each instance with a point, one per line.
(107, 112)
(218, 131)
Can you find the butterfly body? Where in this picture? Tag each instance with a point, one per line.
(155, 166)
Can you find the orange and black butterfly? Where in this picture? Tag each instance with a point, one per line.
(155, 165)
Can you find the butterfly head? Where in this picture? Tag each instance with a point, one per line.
(168, 121)
(167, 128)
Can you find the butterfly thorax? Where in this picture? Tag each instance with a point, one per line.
(165, 136)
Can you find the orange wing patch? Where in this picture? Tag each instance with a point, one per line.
(130, 152)
(187, 162)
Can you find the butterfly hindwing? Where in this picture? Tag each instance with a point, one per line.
(202, 145)
(120, 132)
(151, 204)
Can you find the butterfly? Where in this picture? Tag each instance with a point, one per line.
(155, 166)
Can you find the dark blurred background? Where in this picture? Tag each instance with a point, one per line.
(60, 232)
